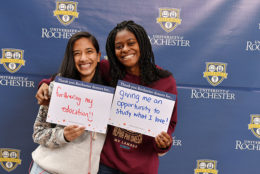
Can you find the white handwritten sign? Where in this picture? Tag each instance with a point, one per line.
(80, 103)
(141, 109)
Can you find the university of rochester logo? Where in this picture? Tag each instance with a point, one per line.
(215, 72)
(251, 145)
(169, 18)
(12, 59)
(9, 159)
(66, 11)
(254, 125)
(206, 167)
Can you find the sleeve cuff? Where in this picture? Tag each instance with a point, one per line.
(61, 137)
(47, 81)
(161, 151)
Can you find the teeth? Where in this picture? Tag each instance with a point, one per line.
(85, 65)
(128, 56)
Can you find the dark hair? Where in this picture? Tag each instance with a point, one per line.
(68, 68)
(148, 71)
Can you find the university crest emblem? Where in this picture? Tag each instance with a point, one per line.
(169, 18)
(12, 59)
(206, 166)
(215, 72)
(66, 11)
(9, 159)
(254, 125)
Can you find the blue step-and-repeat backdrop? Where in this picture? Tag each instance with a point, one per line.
(211, 47)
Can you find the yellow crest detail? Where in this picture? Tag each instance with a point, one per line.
(254, 125)
(12, 59)
(169, 18)
(9, 159)
(215, 72)
(206, 166)
(66, 11)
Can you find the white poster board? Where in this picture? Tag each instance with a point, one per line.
(141, 109)
(76, 102)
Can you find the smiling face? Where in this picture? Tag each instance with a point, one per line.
(127, 51)
(85, 58)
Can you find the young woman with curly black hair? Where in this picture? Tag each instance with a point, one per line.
(130, 58)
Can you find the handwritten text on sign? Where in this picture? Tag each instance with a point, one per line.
(80, 103)
(141, 109)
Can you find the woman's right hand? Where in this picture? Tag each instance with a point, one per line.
(42, 95)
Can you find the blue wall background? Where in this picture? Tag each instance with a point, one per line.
(211, 128)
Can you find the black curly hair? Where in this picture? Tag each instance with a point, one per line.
(149, 73)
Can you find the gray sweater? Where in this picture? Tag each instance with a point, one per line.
(57, 156)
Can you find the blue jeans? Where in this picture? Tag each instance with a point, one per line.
(103, 169)
(36, 169)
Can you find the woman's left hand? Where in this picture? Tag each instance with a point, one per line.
(163, 140)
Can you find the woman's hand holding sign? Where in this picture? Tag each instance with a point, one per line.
(163, 140)
(72, 132)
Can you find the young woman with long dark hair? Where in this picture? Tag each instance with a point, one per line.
(70, 149)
